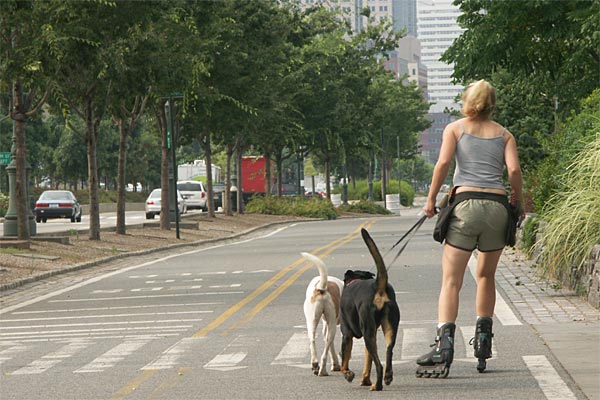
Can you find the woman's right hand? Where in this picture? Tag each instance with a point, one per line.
(429, 208)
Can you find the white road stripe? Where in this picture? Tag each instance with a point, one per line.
(51, 359)
(415, 342)
(50, 326)
(137, 328)
(226, 362)
(74, 310)
(552, 385)
(113, 356)
(502, 311)
(8, 354)
(102, 316)
(63, 339)
(87, 335)
(134, 267)
(156, 296)
(169, 358)
(295, 351)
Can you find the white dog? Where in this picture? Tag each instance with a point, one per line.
(322, 301)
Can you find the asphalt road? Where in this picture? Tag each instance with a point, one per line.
(226, 322)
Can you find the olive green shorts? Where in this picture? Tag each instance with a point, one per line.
(477, 223)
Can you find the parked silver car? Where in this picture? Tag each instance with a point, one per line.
(57, 204)
(153, 204)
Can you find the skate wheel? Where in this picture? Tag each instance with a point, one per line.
(445, 372)
(481, 365)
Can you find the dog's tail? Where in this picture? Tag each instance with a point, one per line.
(321, 266)
(382, 275)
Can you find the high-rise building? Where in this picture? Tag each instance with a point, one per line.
(406, 58)
(436, 30)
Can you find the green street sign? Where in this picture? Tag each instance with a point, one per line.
(4, 157)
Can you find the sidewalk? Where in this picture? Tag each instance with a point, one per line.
(567, 324)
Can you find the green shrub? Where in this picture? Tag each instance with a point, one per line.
(292, 205)
(3, 204)
(528, 236)
(360, 191)
(572, 217)
(364, 207)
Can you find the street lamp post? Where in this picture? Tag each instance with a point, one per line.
(11, 226)
(399, 175)
(172, 145)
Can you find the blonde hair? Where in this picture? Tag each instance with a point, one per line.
(479, 99)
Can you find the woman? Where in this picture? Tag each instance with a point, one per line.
(482, 149)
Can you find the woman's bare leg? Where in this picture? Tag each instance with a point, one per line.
(486, 284)
(454, 263)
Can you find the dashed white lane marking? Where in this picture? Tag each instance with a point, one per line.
(412, 342)
(294, 351)
(51, 359)
(113, 356)
(169, 358)
(133, 267)
(101, 316)
(156, 296)
(8, 354)
(502, 311)
(88, 332)
(550, 382)
(226, 362)
(75, 310)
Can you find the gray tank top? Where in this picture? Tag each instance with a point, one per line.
(479, 161)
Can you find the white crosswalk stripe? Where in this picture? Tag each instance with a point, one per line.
(8, 354)
(50, 360)
(113, 356)
(411, 343)
(170, 357)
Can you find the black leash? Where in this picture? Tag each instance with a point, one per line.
(413, 230)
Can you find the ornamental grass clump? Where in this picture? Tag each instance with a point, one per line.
(572, 217)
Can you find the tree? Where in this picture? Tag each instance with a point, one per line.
(544, 52)
(82, 36)
(21, 74)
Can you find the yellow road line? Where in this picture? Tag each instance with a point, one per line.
(273, 295)
(169, 383)
(134, 384)
(221, 319)
(324, 250)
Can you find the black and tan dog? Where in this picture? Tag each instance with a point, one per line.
(366, 304)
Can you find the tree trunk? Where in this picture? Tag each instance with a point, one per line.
(165, 223)
(91, 138)
(279, 162)
(240, 197)
(20, 121)
(268, 177)
(124, 132)
(123, 136)
(208, 160)
(383, 181)
(227, 196)
(327, 179)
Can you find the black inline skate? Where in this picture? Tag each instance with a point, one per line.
(436, 363)
(482, 342)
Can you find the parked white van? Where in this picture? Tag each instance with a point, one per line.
(194, 194)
